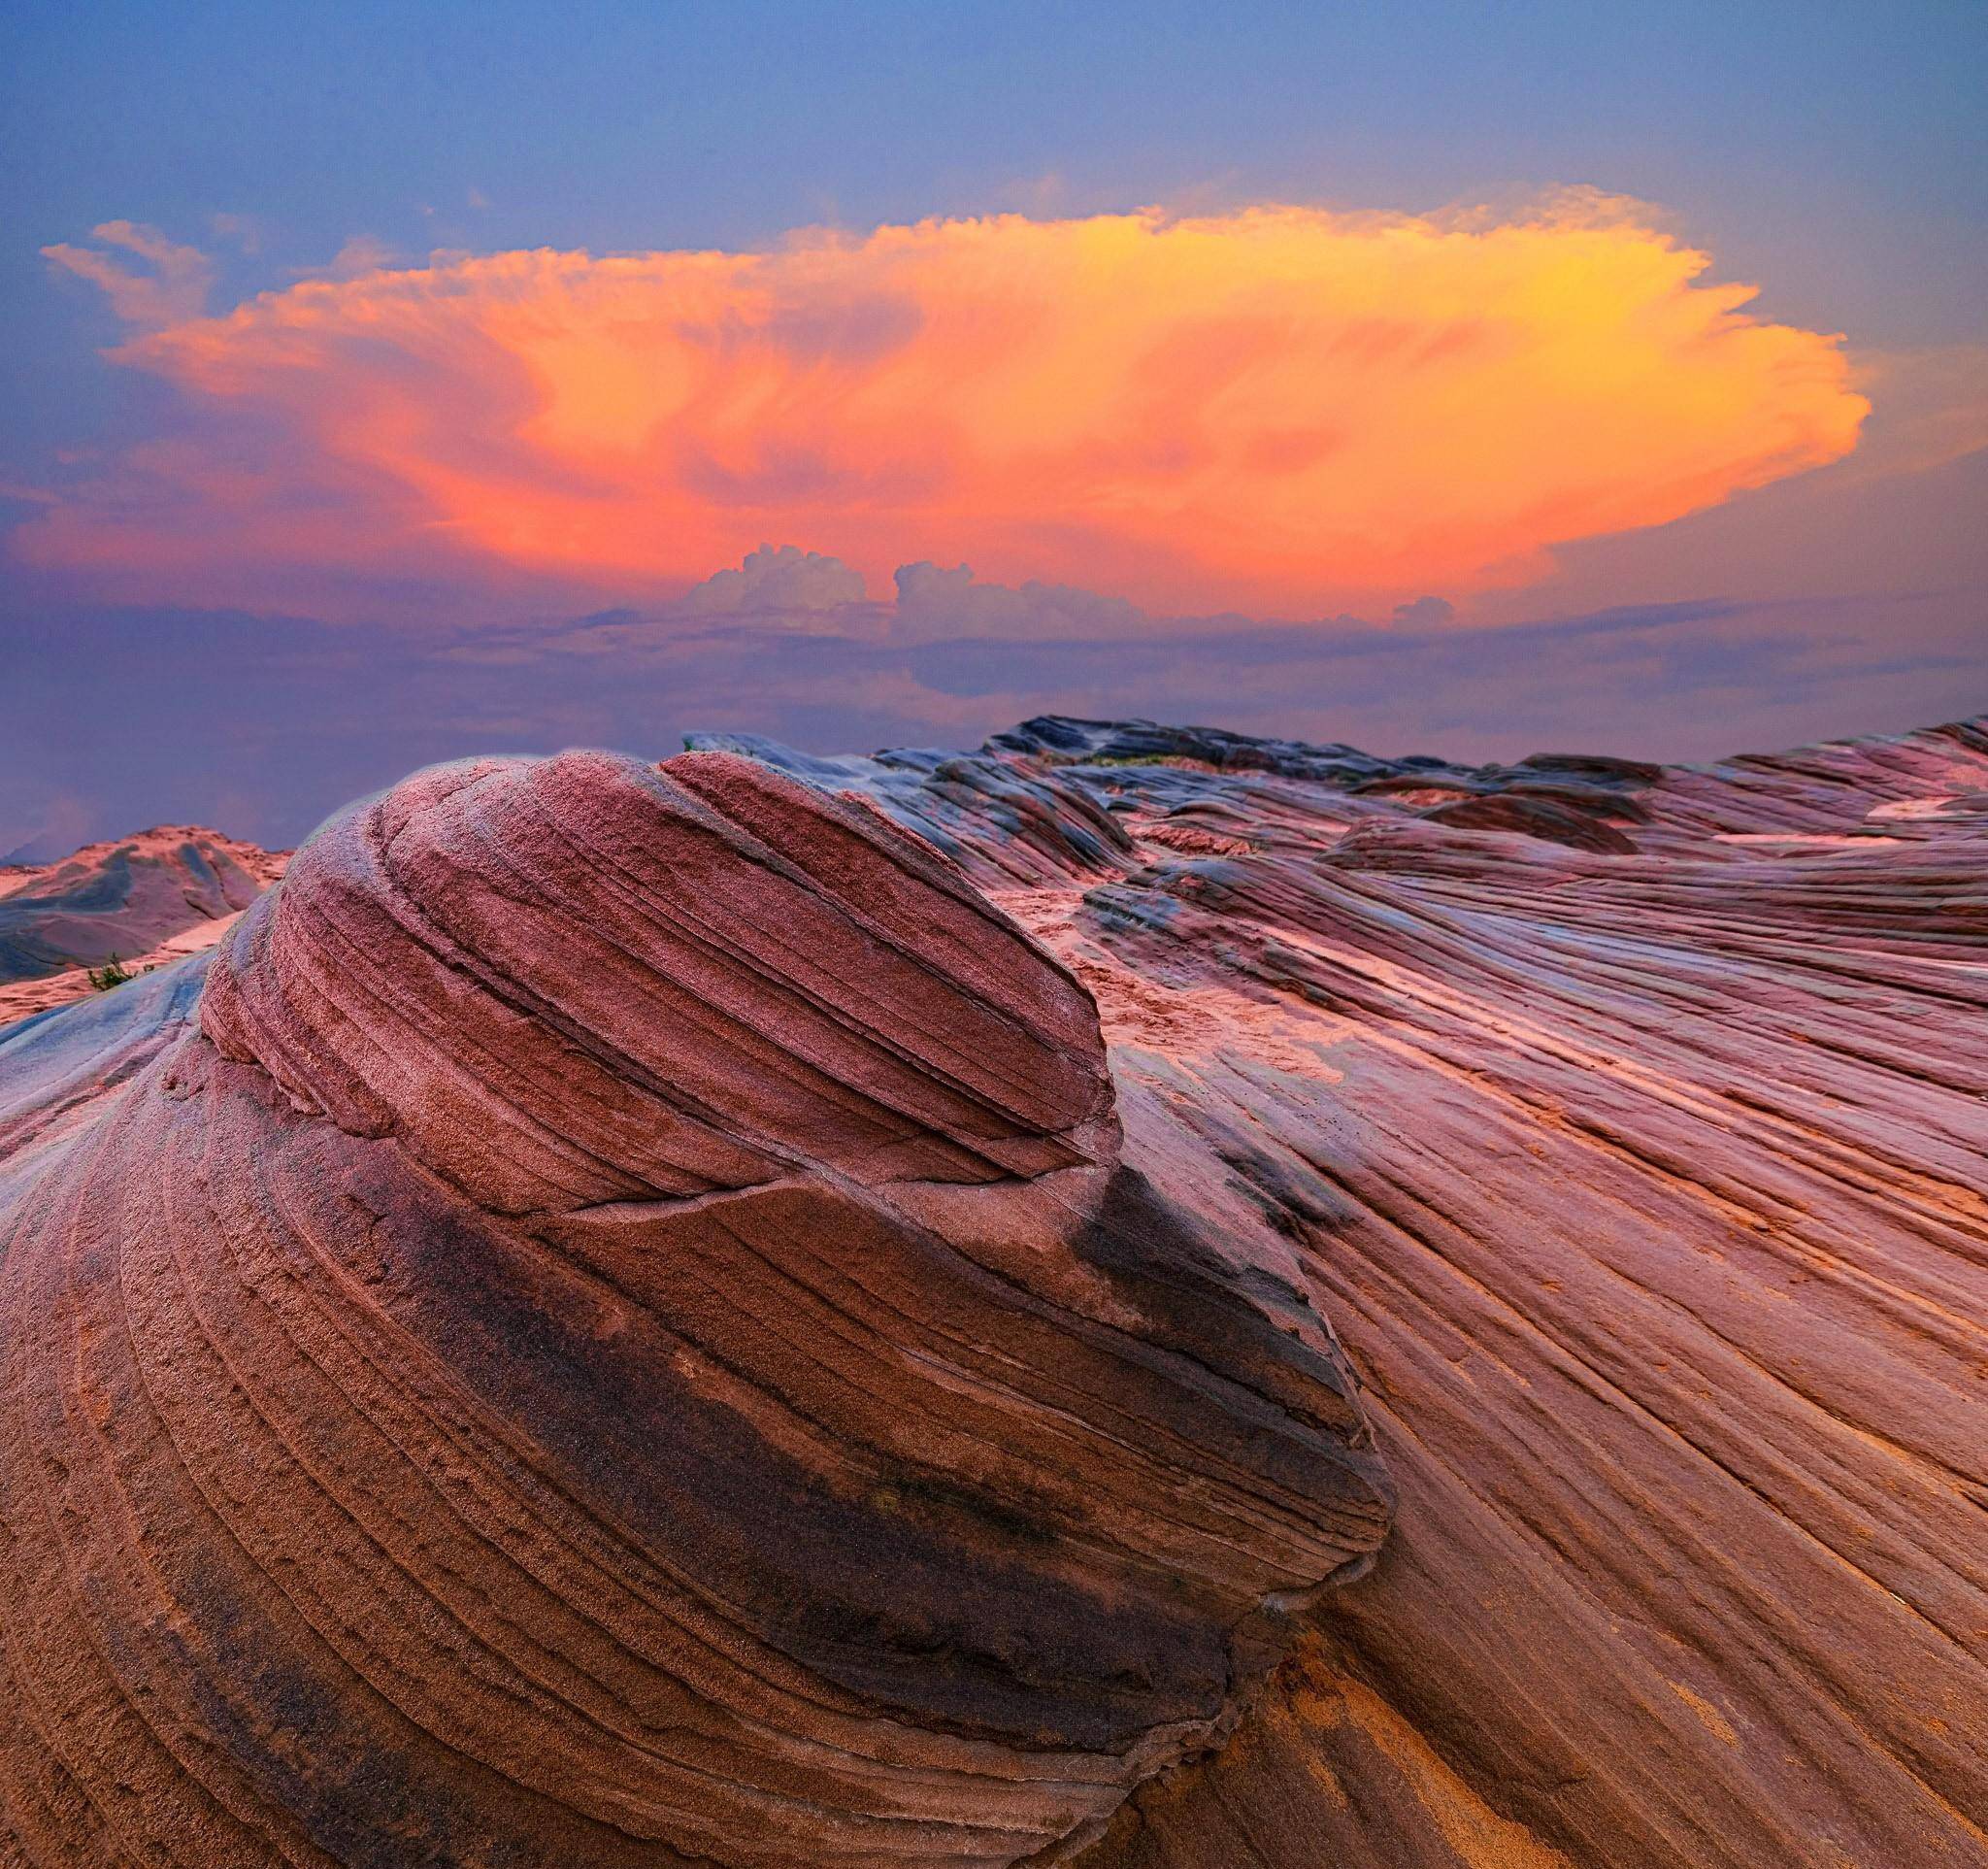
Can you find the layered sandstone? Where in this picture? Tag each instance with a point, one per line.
(654, 1321)
(1645, 1183)
(618, 1332)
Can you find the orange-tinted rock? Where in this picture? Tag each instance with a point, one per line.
(1646, 1193)
(624, 1337)
(1644, 1188)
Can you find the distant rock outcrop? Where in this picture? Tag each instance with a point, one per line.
(645, 1316)
(1578, 828)
(130, 898)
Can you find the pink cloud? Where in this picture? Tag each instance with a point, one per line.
(174, 292)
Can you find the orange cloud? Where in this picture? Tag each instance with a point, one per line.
(1281, 408)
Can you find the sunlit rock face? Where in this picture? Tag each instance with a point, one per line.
(620, 1329)
(638, 1319)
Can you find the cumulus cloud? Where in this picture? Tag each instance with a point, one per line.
(1278, 409)
(786, 578)
(935, 601)
(361, 255)
(171, 289)
(1425, 613)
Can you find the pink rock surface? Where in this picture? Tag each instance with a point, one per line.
(752, 1394)
(624, 1337)
(146, 899)
(1647, 1191)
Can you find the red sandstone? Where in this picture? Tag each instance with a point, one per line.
(644, 1316)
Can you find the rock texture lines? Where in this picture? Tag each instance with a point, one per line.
(616, 1331)
(642, 1315)
(1647, 1188)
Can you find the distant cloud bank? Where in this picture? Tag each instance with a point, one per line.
(117, 718)
(1279, 410)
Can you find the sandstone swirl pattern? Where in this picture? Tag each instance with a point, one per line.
(615, 1331)
(1640, 1158)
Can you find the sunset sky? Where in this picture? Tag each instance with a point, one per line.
(386, 384)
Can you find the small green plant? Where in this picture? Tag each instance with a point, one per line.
(111, 974)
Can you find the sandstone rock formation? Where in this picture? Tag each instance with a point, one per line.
(617, 1332)
(1646, 1191)
(624, 1323)
(147, 900)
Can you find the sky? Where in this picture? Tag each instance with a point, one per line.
(380, 385)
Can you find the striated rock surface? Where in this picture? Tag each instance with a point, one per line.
(637, 1319)
(1648, 1192)
(149, 900)
(615, 1330)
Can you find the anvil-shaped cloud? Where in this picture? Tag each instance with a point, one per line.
(1279, 409)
